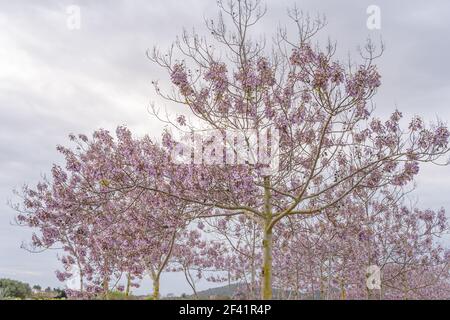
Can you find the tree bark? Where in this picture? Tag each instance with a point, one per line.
(155, 294)
(106, 287)
(266, 274)
(127, 290)
(343, 291)
(266, 281)
(81, 280)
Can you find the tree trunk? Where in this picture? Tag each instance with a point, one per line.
(322, 285)
(127, 289)
(106, 287)
(155, 272)
(155, 294)
(266, 274)
(81, 281)
(190, 280)
(343, 291)
(266, 281)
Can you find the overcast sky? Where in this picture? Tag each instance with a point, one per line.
(55, 81)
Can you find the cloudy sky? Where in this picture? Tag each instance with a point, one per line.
(55, 80)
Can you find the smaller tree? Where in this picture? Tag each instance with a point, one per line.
(14, 289)
(37, 287)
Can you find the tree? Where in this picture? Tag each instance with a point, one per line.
(37, 287)
(331, 144)
(304, 205)
(329, 257)
(14, 289)
(104, 233)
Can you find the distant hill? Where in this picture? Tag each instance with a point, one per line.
(227, 291)
(230, 291)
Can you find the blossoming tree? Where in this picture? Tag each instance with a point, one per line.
(311, 112)
(330, 145)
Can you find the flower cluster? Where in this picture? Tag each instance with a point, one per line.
(180, 79)
(364, 81)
